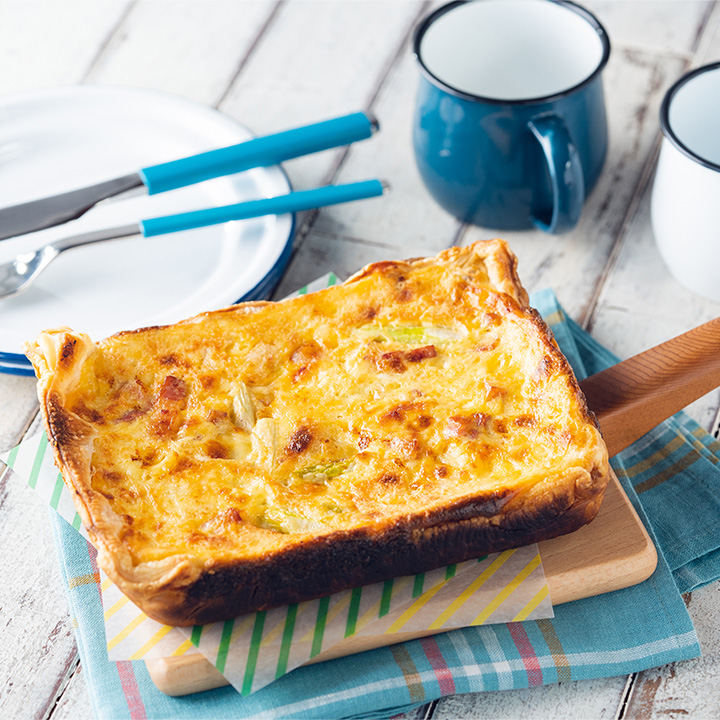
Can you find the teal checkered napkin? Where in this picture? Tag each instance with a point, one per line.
(613, 634)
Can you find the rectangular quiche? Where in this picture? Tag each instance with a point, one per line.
(417, 415)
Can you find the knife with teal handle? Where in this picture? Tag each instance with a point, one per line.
(258, 152)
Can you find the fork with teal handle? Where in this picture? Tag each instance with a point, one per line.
(18, 275)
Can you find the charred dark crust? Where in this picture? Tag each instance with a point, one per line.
(349, 559)
(67, 352)
(66, 430)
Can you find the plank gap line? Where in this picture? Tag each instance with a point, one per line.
(626, 695)
(105, 43)
(269, 21)
(72, 668)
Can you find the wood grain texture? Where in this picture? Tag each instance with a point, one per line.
(407, 219)
(38, 652)
(634, 396)
(184, 675)
(670, 27)
(612, 552)
(641, 305)
(18, 407)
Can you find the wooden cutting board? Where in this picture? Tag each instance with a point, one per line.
(612, 552)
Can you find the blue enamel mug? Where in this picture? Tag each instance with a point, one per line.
(510, 130)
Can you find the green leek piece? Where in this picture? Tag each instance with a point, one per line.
(324, 470)
(411, 335)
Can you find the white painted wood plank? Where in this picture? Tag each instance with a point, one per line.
(658, 26)
(44, 43)
(191, 48)
(32, 673)
(323, 251)
(573, 264)
(408, 214)
(319, 60)
(38, 648)
(691, 688)
(566, 701)
(420, 713)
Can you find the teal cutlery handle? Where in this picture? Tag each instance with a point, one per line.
(258, 152)
(293, 202)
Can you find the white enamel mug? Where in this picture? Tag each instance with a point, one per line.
(685, 206)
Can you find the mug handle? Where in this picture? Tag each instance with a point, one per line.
(566, 173)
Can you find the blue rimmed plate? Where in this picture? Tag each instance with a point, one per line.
(61, 139)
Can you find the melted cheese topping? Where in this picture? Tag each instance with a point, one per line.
(399, 392)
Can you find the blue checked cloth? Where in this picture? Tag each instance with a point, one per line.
(672, 477)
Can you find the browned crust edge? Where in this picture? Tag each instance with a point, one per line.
(184, 591)
(351, 559)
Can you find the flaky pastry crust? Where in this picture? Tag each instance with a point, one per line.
(270, 453)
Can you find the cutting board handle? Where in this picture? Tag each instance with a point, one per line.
(637, 394)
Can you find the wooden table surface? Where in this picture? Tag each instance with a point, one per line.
(275, 65)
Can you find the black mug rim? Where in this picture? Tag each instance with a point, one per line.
(424, 24)
(667, 130)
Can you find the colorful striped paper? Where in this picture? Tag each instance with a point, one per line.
(253, 650)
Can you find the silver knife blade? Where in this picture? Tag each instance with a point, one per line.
(57, 209)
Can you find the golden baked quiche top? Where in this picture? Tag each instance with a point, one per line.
(415, 415)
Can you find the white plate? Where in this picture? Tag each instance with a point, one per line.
(62, 139)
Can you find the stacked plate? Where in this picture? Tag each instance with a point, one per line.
(63, 139)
